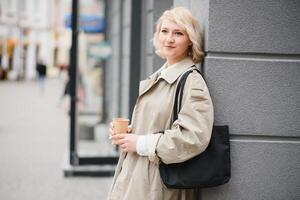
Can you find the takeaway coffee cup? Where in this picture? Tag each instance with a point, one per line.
(120, 125)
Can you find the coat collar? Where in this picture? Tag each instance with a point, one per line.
(170, 74)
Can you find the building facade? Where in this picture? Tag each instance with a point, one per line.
(252, 67)
(25, 36)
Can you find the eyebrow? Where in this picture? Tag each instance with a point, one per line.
(181, 30)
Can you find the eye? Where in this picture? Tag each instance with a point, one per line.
(164, 31)
(179, 33)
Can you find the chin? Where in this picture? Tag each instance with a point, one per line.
(169, 54)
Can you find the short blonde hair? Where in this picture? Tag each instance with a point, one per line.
(183, 17)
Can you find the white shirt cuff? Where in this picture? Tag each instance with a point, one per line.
(152, 141)
(146, 145)
(141, 146)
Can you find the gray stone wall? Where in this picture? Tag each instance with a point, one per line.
(112, 65)
(252, 68)
(125, 58)
(146, 39)
(117, 68)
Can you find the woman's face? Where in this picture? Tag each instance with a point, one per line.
(174, 41)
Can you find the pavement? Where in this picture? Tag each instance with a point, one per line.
(34, 134)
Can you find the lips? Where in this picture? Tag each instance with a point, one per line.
(169, 47)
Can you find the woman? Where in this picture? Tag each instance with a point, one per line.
(177, 39)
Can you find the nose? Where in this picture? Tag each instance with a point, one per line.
(170, 38)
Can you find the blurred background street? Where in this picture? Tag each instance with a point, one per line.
(96, 52)
(35, 93)
(33, 138)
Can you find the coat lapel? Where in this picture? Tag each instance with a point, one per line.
(171, 74)
(145, 85)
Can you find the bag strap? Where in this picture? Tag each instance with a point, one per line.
(179, 92)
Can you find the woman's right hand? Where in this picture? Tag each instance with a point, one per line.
(129, 129)
(111, 130)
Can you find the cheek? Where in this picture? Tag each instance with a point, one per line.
(183, 47)
(160, 36)
(185, 44)
(160, 40)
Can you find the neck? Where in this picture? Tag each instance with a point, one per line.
(172, 61)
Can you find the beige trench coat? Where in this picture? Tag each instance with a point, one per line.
(137, 177)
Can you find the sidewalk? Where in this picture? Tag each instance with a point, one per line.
(34, 136)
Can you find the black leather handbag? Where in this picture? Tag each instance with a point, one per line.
(208, 169)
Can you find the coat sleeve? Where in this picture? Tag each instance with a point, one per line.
(190, 133)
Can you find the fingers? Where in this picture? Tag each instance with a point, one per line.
(118, 138)
(127, 142)
(111, 130)
(124, 147)
(129, 130)
(111, 133)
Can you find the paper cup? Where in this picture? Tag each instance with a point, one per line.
(120, 125)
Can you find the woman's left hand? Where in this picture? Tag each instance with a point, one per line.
(126, 141)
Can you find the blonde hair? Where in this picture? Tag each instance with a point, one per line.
(182, 17)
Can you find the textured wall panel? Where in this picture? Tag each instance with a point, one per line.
(261, 170)
(254, 26)
(256, 97)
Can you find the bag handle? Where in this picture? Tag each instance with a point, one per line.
(179, 92)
